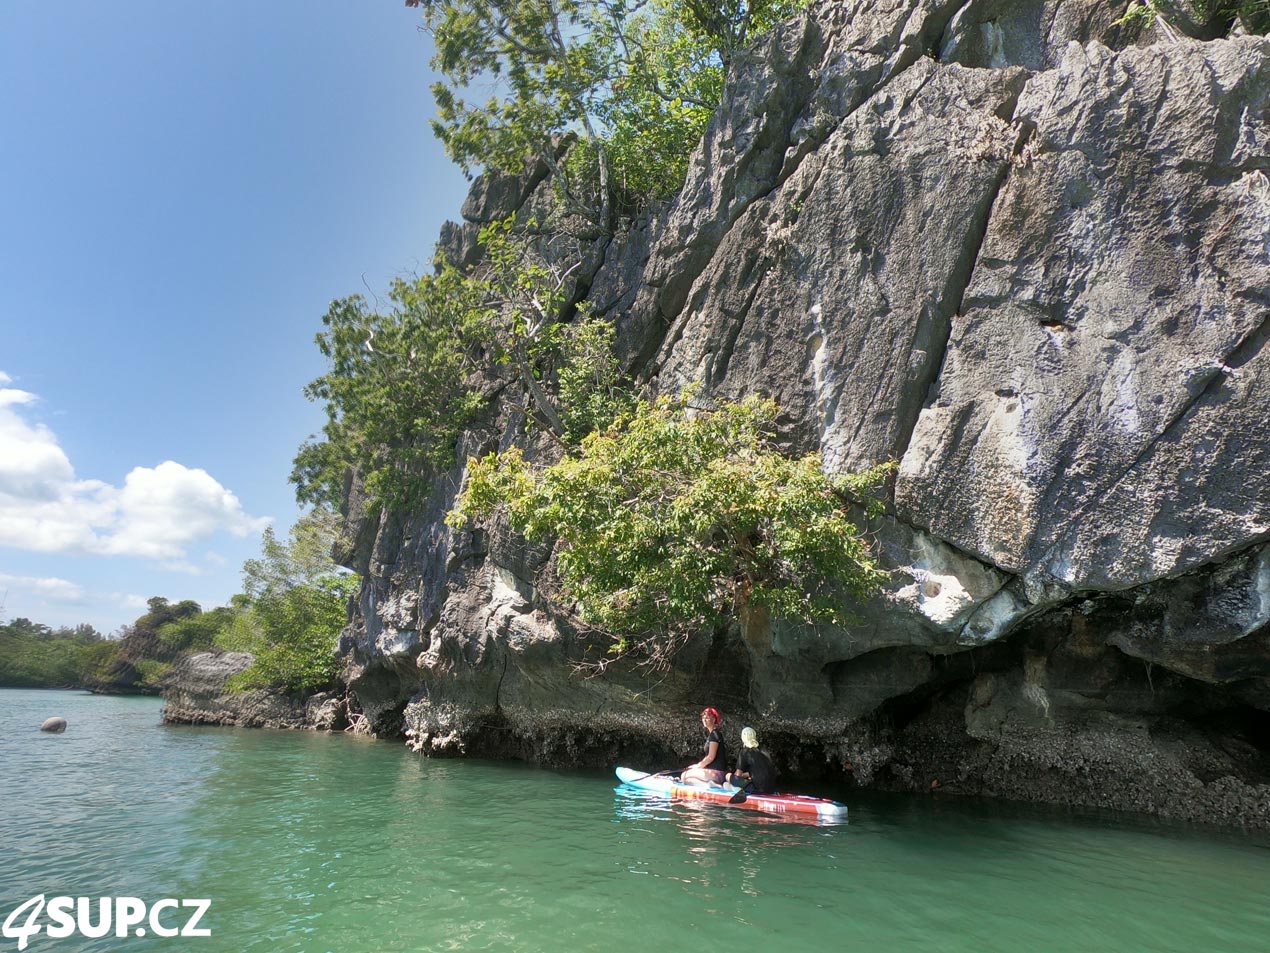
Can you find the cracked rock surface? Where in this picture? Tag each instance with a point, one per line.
(1099, 421)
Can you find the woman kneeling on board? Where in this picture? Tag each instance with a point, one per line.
(713, 766)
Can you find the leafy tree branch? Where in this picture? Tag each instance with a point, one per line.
(403, 382)
(672, 521)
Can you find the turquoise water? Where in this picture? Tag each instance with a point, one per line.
(317, 843)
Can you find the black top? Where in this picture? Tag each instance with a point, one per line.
(759, 767)
(720, 762)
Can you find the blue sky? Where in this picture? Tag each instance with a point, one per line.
(183, 189)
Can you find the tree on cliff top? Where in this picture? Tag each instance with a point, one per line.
(396, 389)
(631, 84)
(635, 80)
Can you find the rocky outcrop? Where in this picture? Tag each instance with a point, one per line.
(1021, 248)
(1109, 347)
(195, 694)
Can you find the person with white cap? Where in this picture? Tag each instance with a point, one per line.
(754, 770)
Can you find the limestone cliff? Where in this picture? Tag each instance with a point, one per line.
(1024, 251)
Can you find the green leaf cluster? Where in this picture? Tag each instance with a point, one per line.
(194, 633)
(396, 389)
(150, 672)
(292, 634)
(635, 81)
(673, 520)
(1203, 19)
(591, 390)
(294, 605)
(142, 651)
(403, 382)
(1252, 15)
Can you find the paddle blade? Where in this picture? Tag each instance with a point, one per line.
(738, 797)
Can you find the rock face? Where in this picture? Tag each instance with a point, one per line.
(195, 694)
(1020, 248)
(1110, 345)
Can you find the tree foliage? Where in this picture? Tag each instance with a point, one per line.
(291, 634)
(142, 653)
(1252, 15)
(672, 521)
(36, 656)
(592, 392)
(403, 382)
(294, 605)
(194, 633)
(305, 555)
(634, 80)
(630, 84)
(396, 389)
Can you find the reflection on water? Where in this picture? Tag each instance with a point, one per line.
(635, 804)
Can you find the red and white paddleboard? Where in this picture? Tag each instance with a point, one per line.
(716, 794)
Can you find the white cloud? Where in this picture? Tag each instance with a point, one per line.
(165, 509)
(157, 514)
(50, 588)
(31, 462)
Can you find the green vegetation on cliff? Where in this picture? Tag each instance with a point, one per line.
(403, 382)
(396, 391)
(1203, 19)
(611, 96)
(668, 521)
(635, 80)
(674, 520)
(294, 604)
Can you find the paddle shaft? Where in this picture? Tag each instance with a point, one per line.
(653, 774)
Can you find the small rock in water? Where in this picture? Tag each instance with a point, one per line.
(56, 725)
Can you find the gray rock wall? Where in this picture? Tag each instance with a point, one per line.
(194, 694)
(1021, 249)
(1099, 417)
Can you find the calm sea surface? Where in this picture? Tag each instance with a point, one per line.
(315, 843)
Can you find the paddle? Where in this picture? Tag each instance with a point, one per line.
(653, 774)
(739, 796)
